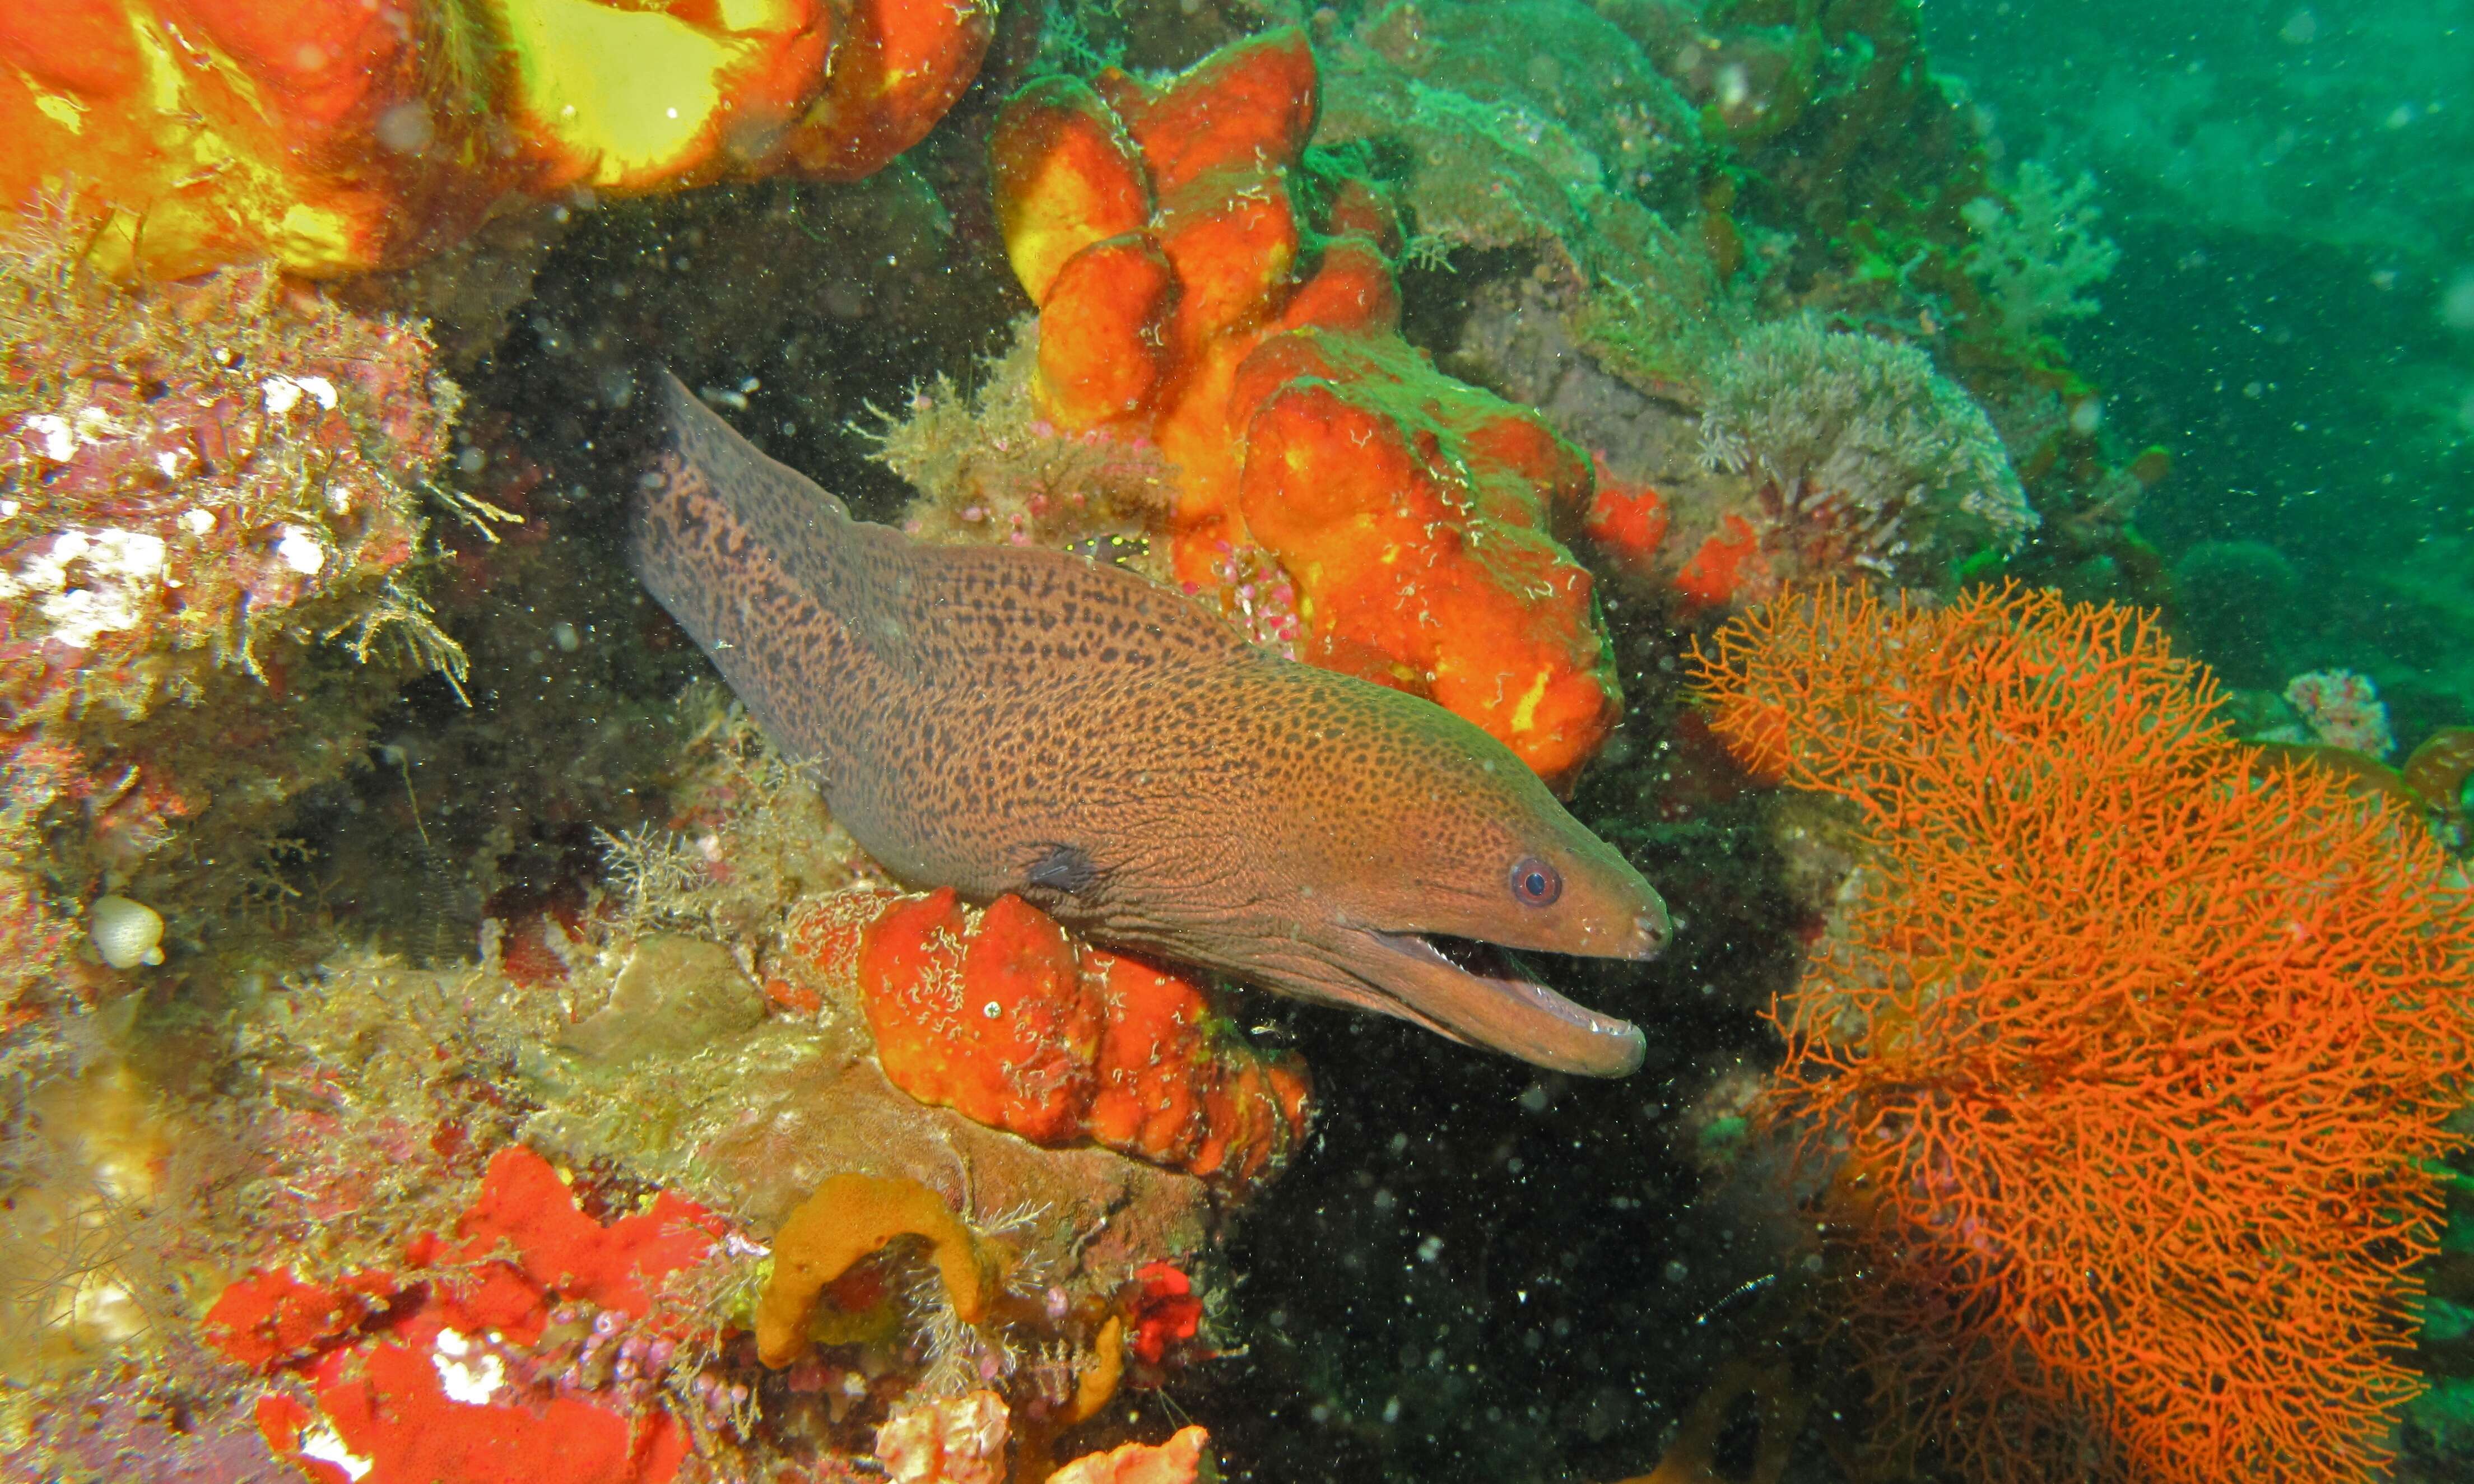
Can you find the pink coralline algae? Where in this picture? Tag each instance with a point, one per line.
(960, 1440)
(2343, 710)
(226, 468)
(211, 500)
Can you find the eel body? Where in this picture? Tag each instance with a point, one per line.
(1005, 719)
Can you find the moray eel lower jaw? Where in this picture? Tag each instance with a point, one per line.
(1479, 998)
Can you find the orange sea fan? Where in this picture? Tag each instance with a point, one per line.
(2126, 1043)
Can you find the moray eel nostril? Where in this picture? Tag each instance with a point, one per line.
(1003, 720)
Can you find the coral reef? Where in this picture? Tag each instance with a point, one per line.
(1625, 311)
(302, 1000)
(1814, 453)
(1581, 74)
(530, 1345)
(2126, 1052)
(1864, 456)
(779, 1123)
(1580, 168)
(1864, 192)
(990, 467)
(334, 137)
(543, 1343)
(1189, 293)
(601, 1316)
(211, 513)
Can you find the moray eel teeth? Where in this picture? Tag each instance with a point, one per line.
(1001, 720)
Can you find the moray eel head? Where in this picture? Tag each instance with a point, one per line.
(1428, 851)
(1446, 969)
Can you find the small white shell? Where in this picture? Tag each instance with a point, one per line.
(125, 934)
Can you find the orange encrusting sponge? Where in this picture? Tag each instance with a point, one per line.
(334, 136)
(1003, 1016)
(1185, 295)
(992, 1019)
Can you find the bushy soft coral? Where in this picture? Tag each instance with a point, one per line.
(2036, 249)
(1867, 460)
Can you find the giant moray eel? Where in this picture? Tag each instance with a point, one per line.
(998, 720)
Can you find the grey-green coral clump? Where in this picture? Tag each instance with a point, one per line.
(2038, 252)
(1571, 153)
(1862, 435)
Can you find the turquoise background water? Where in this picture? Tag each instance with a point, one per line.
(2293, 314)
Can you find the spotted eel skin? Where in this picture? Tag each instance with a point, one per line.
(1005, 719)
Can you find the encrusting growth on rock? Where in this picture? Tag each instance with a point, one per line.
(850, 1217)
(1192, 292)
(213, 499)
(1001, 1016)
(335, 136)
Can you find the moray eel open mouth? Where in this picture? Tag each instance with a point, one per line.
(1481, 994)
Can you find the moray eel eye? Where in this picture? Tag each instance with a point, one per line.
(1535, 882)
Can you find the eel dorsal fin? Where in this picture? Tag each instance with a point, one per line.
(744, 553)
(712, 478)
(999, 616)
